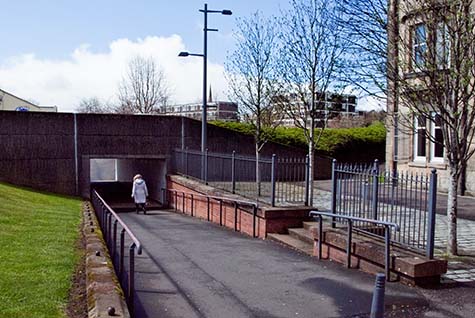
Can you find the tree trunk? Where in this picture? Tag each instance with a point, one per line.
(452, 212)
(310, 162)
(258, 174)
(463, 178)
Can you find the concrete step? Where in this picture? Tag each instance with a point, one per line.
(292, 242)
(309, 225)
(301, 234)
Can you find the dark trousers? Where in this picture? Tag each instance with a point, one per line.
(140, 206)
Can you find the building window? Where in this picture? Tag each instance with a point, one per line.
(442, 46)
(419, 46)
(420, 139)
(437, 142)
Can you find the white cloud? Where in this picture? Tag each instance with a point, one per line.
(86, 73)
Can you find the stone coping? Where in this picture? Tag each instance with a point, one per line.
(102, 286)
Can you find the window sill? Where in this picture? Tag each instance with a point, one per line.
(417, 164)
(435, 165)
(438, 165)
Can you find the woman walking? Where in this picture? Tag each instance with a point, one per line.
(139, 193)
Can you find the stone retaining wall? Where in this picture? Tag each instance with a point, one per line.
(103, 288)
(368, 255)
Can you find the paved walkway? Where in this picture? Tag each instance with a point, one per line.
(192, 268)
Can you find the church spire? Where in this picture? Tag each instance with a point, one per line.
(210, 96)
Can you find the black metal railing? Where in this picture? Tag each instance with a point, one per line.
(350, 221)
(407, 199)
(238, 205)
(111, 226)
(282, 181)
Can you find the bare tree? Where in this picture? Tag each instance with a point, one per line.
(437, 87)
(364, 25)
(311, 49)
(251, 73)
(144, 89)
(93, 105)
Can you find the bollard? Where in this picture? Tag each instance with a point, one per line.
(377, 305)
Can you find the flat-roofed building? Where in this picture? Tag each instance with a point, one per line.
(334, 105)
(11, 102)
(219, 110)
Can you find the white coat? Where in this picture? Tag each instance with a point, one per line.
(139, 191)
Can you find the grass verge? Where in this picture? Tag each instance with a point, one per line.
(38, 232)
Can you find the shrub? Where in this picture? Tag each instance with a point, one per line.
(345, 144)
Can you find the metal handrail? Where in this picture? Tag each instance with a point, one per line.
(220, 200)
(109, 229)
(351, 219)
(122, 223)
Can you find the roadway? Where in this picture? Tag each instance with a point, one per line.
(192, 268)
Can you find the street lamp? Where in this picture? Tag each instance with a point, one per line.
(204, 142)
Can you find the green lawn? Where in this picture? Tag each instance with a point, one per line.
(38, 232)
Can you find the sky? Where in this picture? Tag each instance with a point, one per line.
(57, 52)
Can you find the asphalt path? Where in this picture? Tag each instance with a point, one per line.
(193, 268)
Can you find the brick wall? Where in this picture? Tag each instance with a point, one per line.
(268, 220)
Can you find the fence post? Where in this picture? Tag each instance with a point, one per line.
(114, 243)
(206, 167)
(180, 167)
(254, 215)
(233, 171)
(374, 201)
(431, 210)
(207, 207)
(221, 212)
(306, 179)
(186, 161)
(235, 215)
(272, 194)
(121, 259)
(349, 243)
(387, 254)
(183, 204)
(334, 190)
(131, 280)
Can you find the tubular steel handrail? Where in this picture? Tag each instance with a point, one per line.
(109, 229)
(208, 198)
(350, 220)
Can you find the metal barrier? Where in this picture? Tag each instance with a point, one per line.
(109, 222)
(281, 180)
(350, 219)
(407, 199)
(192, 196)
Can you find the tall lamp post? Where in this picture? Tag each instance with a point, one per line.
(204, 141)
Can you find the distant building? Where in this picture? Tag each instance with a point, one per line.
(336, 106)
(227, 111)
(11, 102)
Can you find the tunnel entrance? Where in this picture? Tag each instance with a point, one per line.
(112, 178)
